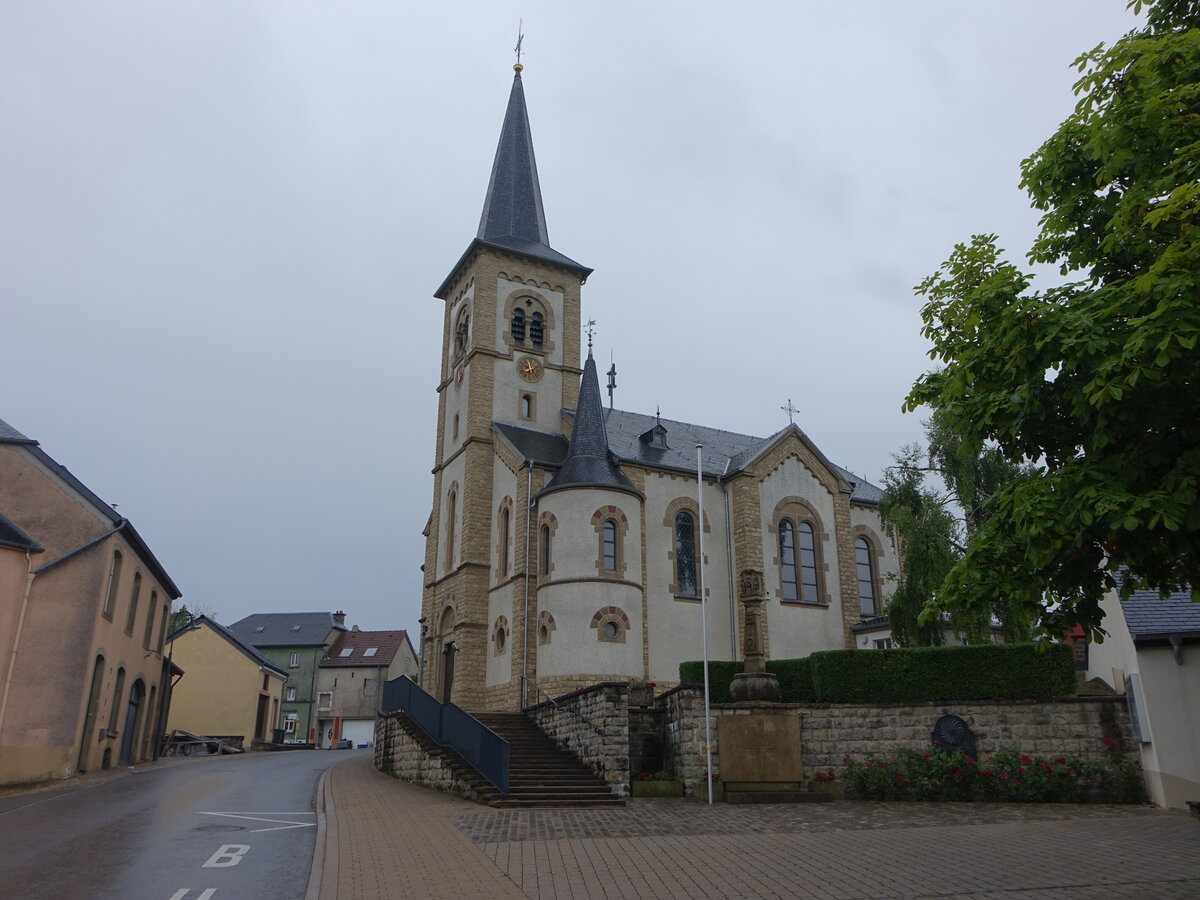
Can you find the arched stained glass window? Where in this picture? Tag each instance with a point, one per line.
(866, 578)
(810, 590)
(610, 546)
(787, 562)
(685, 555)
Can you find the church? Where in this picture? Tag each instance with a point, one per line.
(571, 544)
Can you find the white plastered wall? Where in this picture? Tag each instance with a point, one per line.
(798, 629)
(675, 625)
(500, 597)
(1169, 693)
(577, 591)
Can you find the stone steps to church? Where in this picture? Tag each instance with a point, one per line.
(541, 773)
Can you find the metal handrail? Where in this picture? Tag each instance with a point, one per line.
(576, 713)
(451, 726)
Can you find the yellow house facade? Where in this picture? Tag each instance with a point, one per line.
(231, 690)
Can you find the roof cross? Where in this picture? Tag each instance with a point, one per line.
(591, 330)
(520, 38)
(791, 411)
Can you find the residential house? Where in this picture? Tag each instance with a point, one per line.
(1152, 653)
(350, 682)
(232, 691)
(84, 606)
(296, 642)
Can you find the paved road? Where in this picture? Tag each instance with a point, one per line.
(208, 829)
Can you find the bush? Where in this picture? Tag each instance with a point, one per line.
(974, 672)
(795, 679)
(1009, 776)
(909, 675)
(720, 675)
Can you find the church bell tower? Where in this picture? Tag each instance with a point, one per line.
(510, 355)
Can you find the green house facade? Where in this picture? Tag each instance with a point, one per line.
(296, 642)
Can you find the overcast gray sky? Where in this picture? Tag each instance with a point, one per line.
(222, 221)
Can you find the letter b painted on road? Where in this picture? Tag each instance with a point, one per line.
(228, 855)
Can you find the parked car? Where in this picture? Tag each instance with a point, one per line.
(345, 744)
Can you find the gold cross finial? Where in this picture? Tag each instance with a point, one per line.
(520, 37)
(790, 410)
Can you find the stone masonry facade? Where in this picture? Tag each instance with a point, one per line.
(592, 723)
(1075, 727)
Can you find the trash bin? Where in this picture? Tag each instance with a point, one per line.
(277, 735)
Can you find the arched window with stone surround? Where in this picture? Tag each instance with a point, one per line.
(865, 568)
(536, 329)
(518, 324)
(790, 589)
(544, 550)
(685, 555)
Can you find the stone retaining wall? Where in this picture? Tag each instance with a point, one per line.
(828, 731)
(602, 741)
(403, 751)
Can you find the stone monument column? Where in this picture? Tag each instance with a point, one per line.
(754, 682)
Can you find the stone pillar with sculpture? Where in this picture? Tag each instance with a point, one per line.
(754, 682)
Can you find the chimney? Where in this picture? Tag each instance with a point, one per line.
(339, 618)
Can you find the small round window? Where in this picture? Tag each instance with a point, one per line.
(544, 634)
(611, 630)
(500, 639)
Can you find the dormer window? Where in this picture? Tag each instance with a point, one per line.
(535, 329)
(518, 326)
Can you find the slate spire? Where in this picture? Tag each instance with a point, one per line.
(513, 218)
(589, 462)
(513, 206)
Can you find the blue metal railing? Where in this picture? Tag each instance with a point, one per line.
(484, 750)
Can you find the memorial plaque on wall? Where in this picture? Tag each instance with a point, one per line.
(760, 749)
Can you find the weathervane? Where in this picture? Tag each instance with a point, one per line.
(591, 328)
(517, 49)
(790, 410)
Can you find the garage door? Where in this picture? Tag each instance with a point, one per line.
(361, 731)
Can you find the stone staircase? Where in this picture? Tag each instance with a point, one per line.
(541, 774)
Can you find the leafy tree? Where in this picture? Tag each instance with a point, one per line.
(926, 535)
(180, 617)
(1097, 380)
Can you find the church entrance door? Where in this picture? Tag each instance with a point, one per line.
(447, 671)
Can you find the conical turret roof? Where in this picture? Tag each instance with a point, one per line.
(589, 462)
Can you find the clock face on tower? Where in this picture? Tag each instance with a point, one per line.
(529, 368)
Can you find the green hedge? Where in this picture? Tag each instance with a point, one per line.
(910, 675)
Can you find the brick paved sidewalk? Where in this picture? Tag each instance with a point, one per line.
(390, 839)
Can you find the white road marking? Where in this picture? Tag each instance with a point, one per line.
(183, 892)
(284, 824)
(228, 855)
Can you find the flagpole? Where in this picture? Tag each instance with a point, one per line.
(703, 612)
